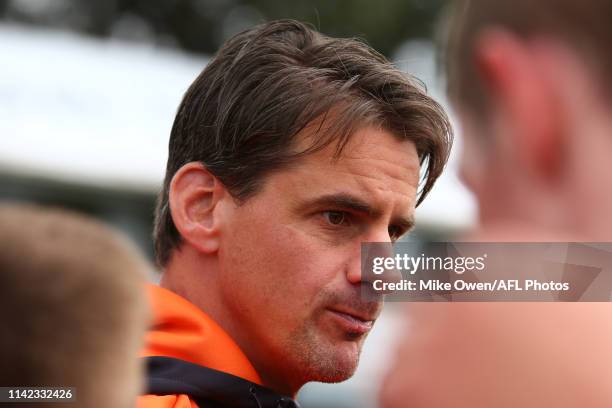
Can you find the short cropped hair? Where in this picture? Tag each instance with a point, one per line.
(242, 116)
(73, 306)
(583, 25)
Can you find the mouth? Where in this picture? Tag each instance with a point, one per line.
(352, 322)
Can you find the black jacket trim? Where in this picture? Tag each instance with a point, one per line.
(207, 387)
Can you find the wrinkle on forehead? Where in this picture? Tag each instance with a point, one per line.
(374, 162)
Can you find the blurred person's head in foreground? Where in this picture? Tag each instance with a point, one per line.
(288, 151)
(530, 81)
(72, 306)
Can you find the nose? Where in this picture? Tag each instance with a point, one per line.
(374, 264)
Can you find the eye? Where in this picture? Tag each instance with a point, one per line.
(336, 217)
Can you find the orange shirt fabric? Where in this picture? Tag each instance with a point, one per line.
(183, 335)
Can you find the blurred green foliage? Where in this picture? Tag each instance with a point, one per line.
(202, 25)
(384, 24)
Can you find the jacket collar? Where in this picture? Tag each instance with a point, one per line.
(183, 331)
(209, 388)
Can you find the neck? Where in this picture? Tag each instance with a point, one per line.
(578, 212)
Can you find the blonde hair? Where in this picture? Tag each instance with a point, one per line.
(72, 305)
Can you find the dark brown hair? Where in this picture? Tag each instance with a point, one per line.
(241, 116)
(584, 25)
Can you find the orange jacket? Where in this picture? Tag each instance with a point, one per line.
(184, 333)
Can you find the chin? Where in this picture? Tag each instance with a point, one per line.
(336, 375)
(334, 368)
(324, 357)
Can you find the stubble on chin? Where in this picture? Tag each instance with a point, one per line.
(316, 357)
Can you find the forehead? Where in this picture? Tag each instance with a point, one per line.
(374, 165)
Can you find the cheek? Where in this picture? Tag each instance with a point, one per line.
(272, 264)
(471, 164)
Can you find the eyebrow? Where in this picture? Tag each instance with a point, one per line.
(351, 202)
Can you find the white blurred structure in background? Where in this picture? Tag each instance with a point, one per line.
(88, 110)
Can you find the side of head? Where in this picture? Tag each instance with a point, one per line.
(288, 151)
(72, 306)
(530, 83)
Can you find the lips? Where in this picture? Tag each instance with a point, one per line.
(353, 322)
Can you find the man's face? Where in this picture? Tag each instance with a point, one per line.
(290, 256)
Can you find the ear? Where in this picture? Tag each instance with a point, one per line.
(527, 110)
(194, 195)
